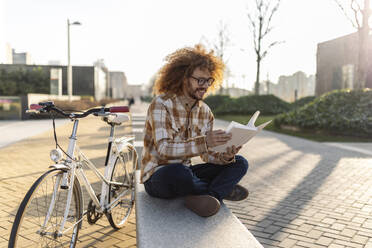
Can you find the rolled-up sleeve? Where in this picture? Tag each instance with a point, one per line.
(213, 156)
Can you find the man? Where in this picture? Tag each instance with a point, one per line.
(179, 126)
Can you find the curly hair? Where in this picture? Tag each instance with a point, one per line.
(182, 63)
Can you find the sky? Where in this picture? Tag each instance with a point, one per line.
(135, 36)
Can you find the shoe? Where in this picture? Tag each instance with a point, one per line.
(202, 205)
(237, 194)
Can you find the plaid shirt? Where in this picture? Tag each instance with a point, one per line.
(175, 131)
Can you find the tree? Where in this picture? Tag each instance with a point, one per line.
(260, 25)
(220, 45)
(359, 15)
(21, 81)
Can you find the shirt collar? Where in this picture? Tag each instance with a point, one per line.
(187, 103)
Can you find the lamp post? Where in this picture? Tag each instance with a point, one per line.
(69, 67)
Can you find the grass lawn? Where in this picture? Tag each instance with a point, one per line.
(308, 134)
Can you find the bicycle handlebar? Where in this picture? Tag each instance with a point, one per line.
(49, 106)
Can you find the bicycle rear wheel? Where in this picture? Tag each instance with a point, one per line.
(122, 209)
(28, 231)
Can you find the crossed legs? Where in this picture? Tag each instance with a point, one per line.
(176, 180)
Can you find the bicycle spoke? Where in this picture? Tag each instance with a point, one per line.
(31, 231)
(121, 208)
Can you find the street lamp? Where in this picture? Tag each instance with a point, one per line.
(69, 68)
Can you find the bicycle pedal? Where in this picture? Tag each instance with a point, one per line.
(92, 215)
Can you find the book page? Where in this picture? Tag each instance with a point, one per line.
(240, 136)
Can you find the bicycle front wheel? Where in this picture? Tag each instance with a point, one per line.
(123, 206)
(32, 227)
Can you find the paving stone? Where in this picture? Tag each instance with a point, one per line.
(359, 239)
(338, 226)
(271, 229)
(348, 244)
(324, 241)
(314, 234)
(279, 236)
(287, 243)
(336, 246)
(301, 238)
(335, 236)
(306, 228)
(328, 221)
(309, 245)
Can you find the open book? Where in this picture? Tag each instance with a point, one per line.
(241, 134)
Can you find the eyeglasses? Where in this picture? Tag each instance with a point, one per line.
(202, 81)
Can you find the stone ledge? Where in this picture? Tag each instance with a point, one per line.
(167, 223)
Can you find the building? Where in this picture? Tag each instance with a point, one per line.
(87, 80)
(336, 64)
(290, 88)
(54, 62)
(118, 85)
(21, 58)
(296, 86)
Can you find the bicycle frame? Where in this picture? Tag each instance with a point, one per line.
(74, 168)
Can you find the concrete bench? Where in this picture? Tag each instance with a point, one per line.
(167, 223)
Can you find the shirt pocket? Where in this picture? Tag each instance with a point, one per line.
(197, 130)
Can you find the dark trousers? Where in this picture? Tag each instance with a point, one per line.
(175, 180)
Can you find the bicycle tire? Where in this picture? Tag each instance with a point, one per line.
(34, 207)
(120, 213)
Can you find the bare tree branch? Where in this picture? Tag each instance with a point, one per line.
(361, 16)
(220, 46)
(358, 5)
(260, 20)
(356, 11)
(356, 23)
(268, 28)
(270, 46)
(254, 32)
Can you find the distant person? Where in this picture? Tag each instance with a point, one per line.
(179, 126)
(131, 101)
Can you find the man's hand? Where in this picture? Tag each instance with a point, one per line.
(230, 152)
(217, 137)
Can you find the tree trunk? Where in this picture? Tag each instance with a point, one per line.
(257, 83)
(363, 55)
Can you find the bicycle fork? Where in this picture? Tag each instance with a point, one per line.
(65, 182)
(58, 186)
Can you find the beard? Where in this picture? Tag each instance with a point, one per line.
(197, 94)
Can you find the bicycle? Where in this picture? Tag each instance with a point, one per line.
(51, 213)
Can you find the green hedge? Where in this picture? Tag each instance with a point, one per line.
(347, 112)
(302, 101)
(247, 105)
(146, 98)
(22, 81)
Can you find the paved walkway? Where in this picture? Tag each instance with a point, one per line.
(13, 131)
(302, 193)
